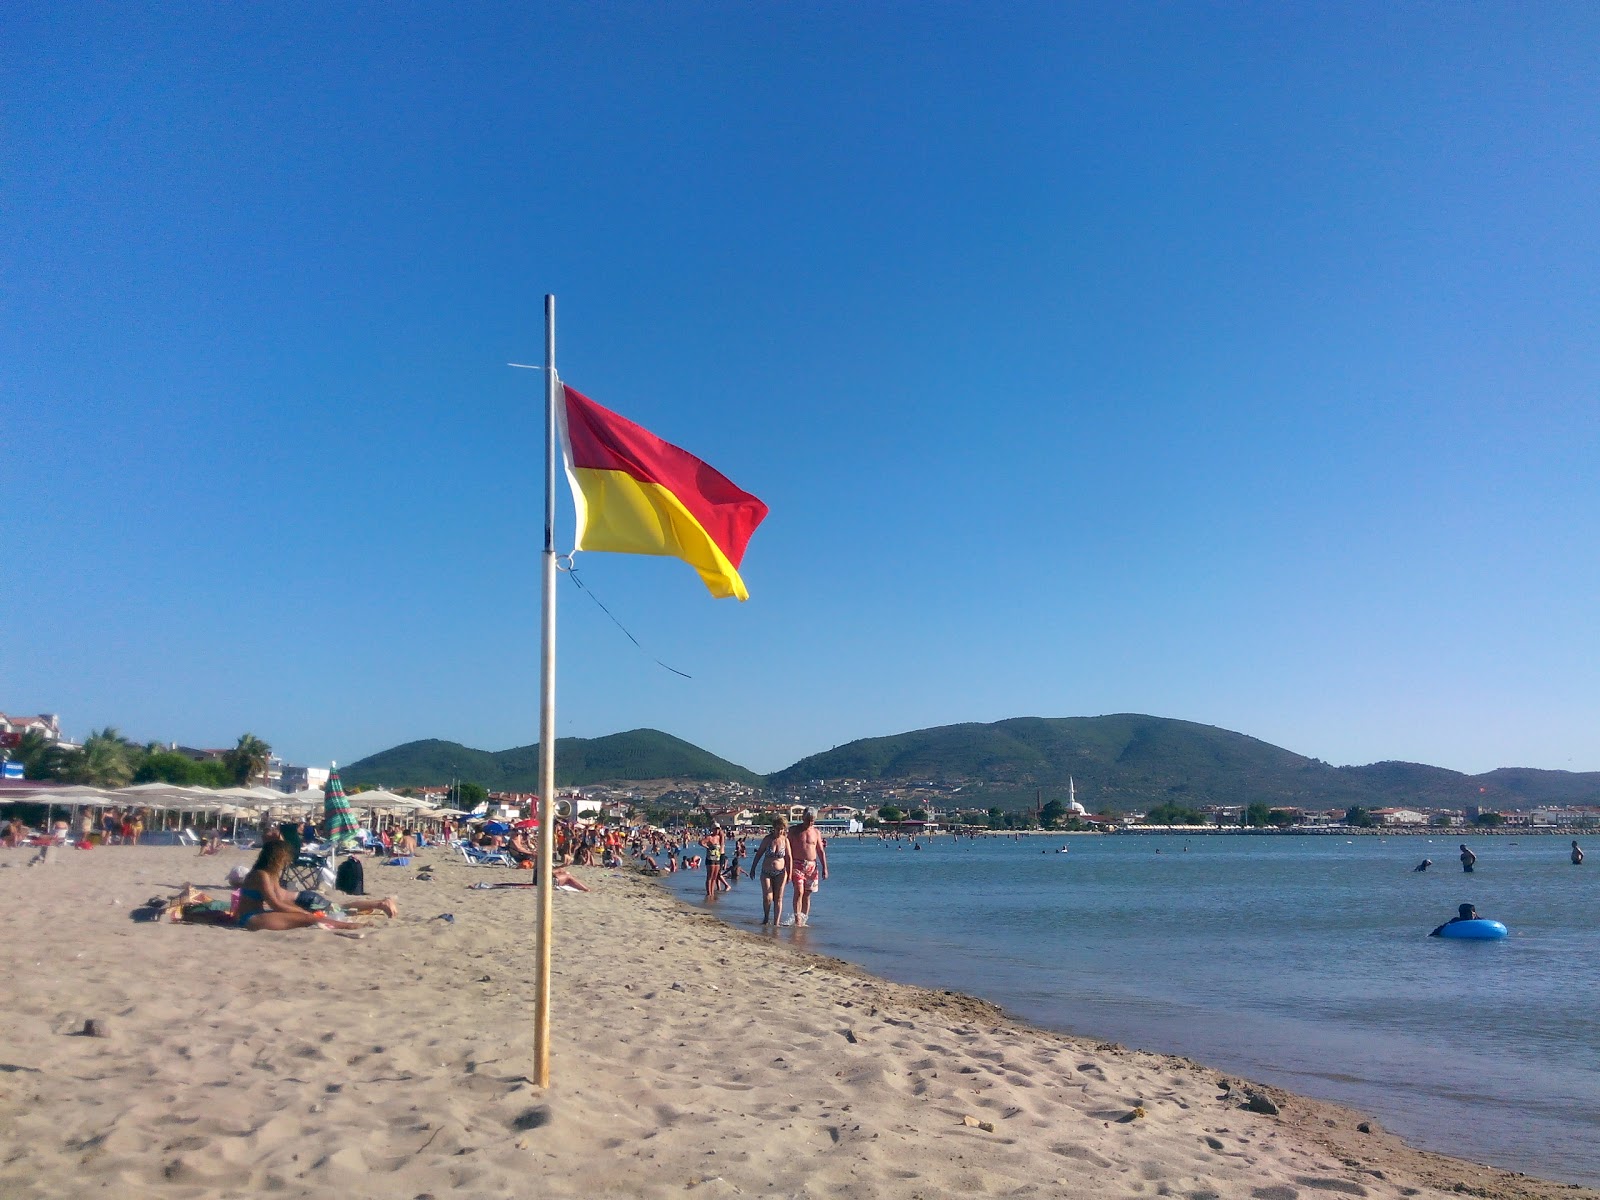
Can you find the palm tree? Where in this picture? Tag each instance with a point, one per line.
(104, 760)
(248, 759)
(38, 755)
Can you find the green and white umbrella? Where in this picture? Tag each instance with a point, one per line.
(341, 823)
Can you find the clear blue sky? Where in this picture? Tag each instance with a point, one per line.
(1236, 363)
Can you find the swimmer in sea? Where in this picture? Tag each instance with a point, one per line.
(1423, 865)
(771, 866)
(1577, 855)
(1467, 858)
(1464, 912)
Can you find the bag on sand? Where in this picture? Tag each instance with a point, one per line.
(351, 879)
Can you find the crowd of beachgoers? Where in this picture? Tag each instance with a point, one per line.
(789, 863)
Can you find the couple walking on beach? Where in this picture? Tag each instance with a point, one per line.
(790, 858)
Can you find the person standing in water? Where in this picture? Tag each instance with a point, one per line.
(1577, 854)
(810, 865)
(771, 866)
(713, 843)
(1467, 859)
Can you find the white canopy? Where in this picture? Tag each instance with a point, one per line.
(76, 794)
(381, 799)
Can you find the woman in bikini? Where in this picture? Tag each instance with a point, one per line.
(263, 903)
(771, 865)
(714, 842)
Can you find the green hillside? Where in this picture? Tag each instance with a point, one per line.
(1120, 761)
(1124, 761)
(620, 757)
(1127, 761)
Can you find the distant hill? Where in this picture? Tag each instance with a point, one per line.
(620, 757)
(1128, 760)
(1125, 761)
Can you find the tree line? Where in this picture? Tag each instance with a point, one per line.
(108, 760)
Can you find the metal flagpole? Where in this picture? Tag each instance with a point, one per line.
(547, 713)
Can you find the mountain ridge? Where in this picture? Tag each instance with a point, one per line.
(1118, 761)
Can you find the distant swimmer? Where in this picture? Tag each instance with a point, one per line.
(1467, 859)
(1577, 855)
(1423, 865)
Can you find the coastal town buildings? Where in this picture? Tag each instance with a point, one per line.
(1399, 816)
(13, 728)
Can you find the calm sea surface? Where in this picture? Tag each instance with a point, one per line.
(1300, 961)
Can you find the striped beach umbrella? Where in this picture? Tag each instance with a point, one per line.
(341, 824)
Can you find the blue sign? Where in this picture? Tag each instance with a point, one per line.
(10, 770)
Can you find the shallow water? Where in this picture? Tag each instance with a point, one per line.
(1300, 961)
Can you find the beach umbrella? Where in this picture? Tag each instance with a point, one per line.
(68, 797)
(341, 823)
(385, 801)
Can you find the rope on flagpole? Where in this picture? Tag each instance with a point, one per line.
(571, 572)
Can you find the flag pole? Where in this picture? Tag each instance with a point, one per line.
(547, 713)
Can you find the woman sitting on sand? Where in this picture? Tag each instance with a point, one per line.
(263, 904)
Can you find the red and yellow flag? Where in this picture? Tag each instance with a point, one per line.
(636, 494)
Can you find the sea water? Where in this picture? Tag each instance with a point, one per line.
(1298, 961)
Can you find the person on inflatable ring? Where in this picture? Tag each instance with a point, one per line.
(1465, 913)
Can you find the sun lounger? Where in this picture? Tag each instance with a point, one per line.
(486, 858)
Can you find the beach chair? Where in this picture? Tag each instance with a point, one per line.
(311, 871)
(485, 858)
(188, 837)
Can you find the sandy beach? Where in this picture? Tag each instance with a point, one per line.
(689, 1059)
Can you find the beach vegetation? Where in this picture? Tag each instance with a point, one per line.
(1359, 818)
(890, 813)
(1052, 813)
(469, 794)
(1488, 820)
(1174, 814)
(248, 759)
(39, 756)
(156, 764)
(104, 760)
(1257, 815)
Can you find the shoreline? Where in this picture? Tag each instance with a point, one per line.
(688, 1056)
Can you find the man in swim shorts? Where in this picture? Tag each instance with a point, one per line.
(1467, 858)
(810, 865)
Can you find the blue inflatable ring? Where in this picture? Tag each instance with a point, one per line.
(1480, 930)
